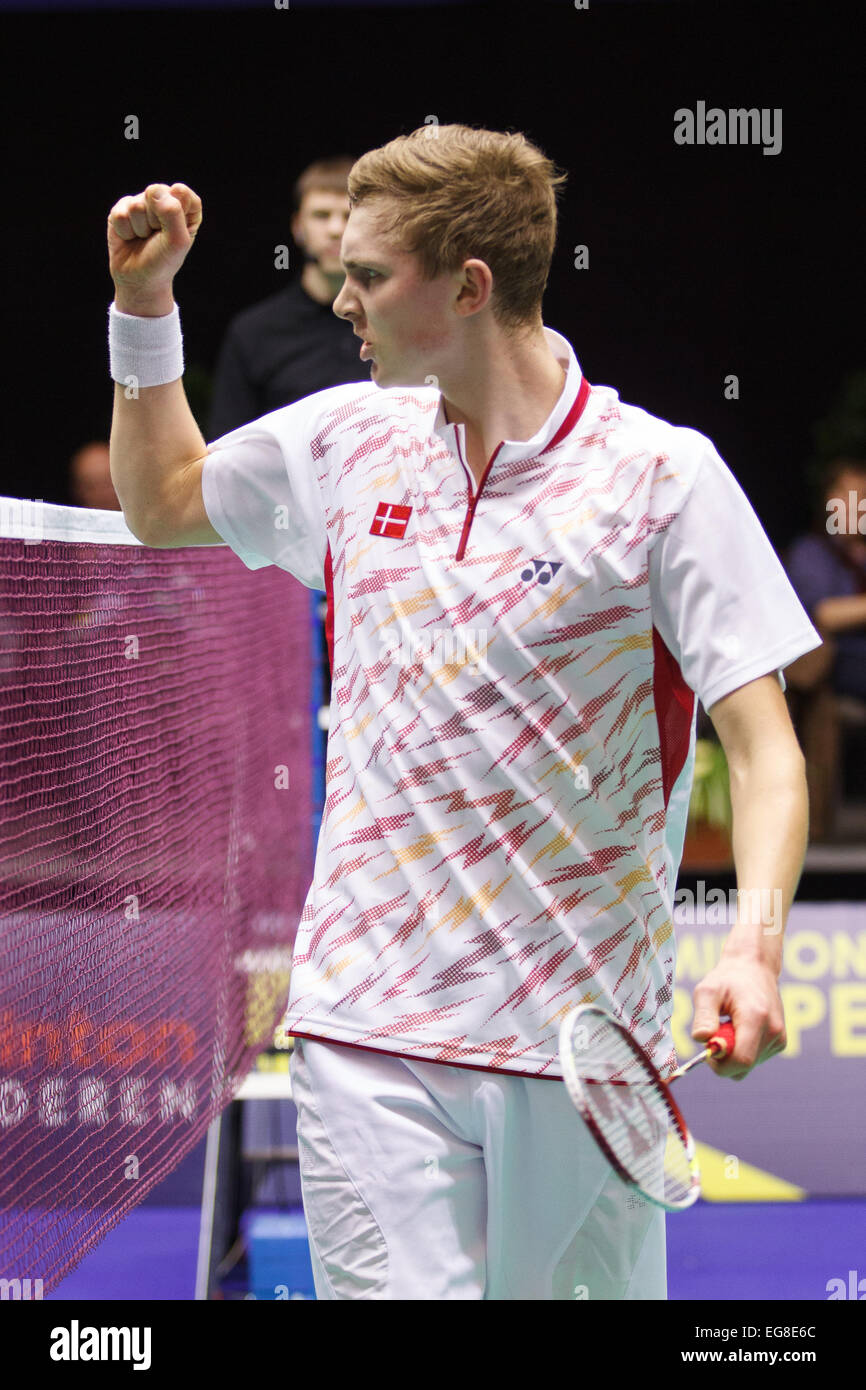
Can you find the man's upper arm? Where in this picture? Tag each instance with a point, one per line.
(186, 521)
(754, 719)
(261, 490)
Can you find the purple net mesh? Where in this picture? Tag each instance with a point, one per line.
(156, 850)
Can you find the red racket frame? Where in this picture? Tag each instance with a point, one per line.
(664, 1090)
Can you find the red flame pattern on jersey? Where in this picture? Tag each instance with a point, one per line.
(511, 739)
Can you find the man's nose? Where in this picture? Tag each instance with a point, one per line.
(341, 303)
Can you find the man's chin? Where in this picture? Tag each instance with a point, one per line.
(380, 377)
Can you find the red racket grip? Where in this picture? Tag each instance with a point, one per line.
(722, 1041)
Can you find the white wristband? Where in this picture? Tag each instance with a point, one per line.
(144, 351)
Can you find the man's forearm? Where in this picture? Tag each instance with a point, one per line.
(153, 436)
(770, 835)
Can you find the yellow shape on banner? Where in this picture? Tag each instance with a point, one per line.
(267, 992)
(727, 1178)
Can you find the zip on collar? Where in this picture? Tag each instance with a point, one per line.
(565, 428)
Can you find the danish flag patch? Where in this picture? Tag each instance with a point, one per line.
(390, 520)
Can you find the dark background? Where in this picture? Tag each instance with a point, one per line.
(704, 261)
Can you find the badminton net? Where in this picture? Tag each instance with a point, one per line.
(155, 853)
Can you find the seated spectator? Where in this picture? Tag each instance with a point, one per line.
(828, 571)
(292, 344)
(90, 482)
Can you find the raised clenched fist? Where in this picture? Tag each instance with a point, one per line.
(149, 237)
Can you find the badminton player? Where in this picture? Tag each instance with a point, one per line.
(530, 584)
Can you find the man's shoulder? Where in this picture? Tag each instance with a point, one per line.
(635, 432)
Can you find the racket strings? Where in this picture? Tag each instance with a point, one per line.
(626, 1104)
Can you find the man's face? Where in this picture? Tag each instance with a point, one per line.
(91, 480)
(408, 321)
(319, 225)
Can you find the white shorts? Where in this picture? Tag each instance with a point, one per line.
(426, 1181)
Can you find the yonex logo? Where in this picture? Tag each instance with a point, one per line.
(390, 520)
(542, 570)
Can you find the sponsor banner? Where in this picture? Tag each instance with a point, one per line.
(802, 1115)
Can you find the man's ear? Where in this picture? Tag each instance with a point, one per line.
(476, 287)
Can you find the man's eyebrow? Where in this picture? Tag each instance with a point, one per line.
(362, 265)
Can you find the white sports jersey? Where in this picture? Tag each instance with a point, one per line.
(512, 732)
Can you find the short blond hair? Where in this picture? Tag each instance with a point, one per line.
(459, 192)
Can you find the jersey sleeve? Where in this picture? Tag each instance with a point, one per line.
(263, 494)
(721, 599)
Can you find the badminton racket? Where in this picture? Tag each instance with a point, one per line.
(629, 1108)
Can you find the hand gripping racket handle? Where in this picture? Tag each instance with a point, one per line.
(722, 1041)
(719, 1046)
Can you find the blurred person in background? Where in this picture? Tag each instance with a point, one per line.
(291, 344)
(827, 568)
(90, 482)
